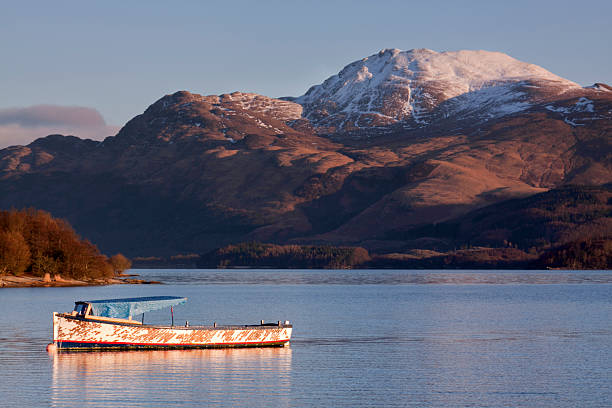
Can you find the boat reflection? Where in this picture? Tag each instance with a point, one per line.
(172, 377)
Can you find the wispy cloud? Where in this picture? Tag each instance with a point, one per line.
(20, 126)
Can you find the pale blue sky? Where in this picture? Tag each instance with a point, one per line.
(120, 56)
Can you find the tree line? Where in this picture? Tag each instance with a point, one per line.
(582, 254)
(260, 255)
(32, 242)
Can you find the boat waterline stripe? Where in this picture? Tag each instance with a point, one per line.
(169, 344)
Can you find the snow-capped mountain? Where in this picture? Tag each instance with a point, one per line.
(420, 138)
(420, 86)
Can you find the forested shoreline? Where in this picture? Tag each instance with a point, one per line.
(580, 254)
(262, 255)
(33, 243)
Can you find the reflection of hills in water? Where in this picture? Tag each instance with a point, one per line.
(374, 277)
(187, 377)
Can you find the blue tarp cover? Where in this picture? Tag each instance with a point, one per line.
(126, 308)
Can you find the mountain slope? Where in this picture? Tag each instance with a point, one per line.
(558, 216)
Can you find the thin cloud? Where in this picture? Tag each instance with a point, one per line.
(20, 126)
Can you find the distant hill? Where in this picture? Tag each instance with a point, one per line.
(389, 155)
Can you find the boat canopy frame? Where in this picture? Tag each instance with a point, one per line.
(125, 308)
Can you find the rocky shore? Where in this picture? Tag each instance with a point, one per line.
(26, 281)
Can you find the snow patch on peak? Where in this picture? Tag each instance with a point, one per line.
(399, 85)
(581, 112)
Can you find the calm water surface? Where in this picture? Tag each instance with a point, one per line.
(361, 338)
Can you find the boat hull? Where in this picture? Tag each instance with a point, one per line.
(75, 333)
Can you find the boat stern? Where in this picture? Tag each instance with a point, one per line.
(287, 333)
(55, 326)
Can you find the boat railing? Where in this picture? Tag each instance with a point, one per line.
(187, 325)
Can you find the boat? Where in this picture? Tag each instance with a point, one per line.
(110, 324)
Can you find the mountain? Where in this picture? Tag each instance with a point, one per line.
(422, 87)
(395, 141)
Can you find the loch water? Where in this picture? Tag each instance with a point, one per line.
(374, 338)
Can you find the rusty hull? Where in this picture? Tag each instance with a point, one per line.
(71, 332)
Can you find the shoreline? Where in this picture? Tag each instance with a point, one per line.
(28, 281)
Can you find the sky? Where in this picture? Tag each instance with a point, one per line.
(92, 66)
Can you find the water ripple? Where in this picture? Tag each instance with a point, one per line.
(380, 277)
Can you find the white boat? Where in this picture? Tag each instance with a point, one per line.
(109, 324)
